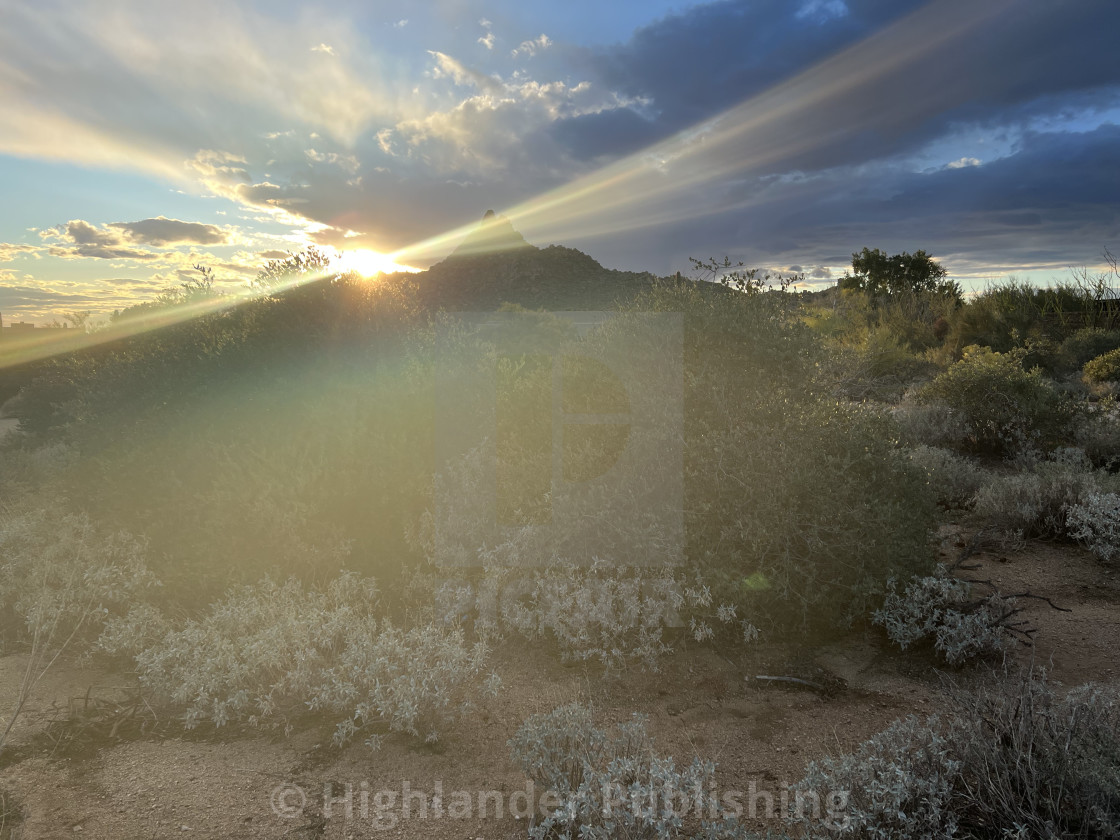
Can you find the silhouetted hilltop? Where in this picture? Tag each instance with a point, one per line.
(494, 235)
(495, 265)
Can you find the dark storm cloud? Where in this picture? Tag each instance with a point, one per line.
(1026, 59)
(1055, 178)
(1055, 197)
(609, 133)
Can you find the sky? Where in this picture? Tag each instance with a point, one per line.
(142, 138)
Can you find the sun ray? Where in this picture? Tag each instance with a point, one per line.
(369, 263)
(653, 186)
(681, 177)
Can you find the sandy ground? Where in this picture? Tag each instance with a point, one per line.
(253, 785)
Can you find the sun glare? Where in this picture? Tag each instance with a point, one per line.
(369, 263)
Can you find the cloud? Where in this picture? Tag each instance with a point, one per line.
(9, 250)
(79, 239)
(448, 67)
(160, 81)
(822, 11)
(606, 133)
(349, 163)
(1046, 206)
(164, 231)
(885, 87)
(34, 299)
(502, 130)
(401, 24)
(961, 163)
(532, 47)
(791, 127)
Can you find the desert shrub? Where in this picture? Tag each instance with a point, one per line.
(758, 446)
(268, 652)
(1014, 314)
(781, 549)
(900, 783)
(954, 479)
(1036, 503)
(28, 469)
(1086, 344)
(930, 423)
(615, 615)
(61, 575)
(1005, 407)
(1016, 759)
(612, 785)
(1095, 521)
(1038, 763)
(945, 609)
(879, 367)
(1103, 368)
(914, 319)
(1098, 434)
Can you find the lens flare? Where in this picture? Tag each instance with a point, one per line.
(706, 168)
(703, 170)
(369, 263)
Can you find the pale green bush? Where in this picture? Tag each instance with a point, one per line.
(930, 423)
(900, 784)
(612, 786)
(1099, 435)
(269, 652)
(60, 578)
(616, 616)
(954, 478)
(943, 608)
(60, 575)
(1017, 759)
(1036, 503)
(1095, 521)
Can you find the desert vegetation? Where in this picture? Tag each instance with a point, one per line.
(269, 520)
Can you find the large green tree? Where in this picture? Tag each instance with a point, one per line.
(878, 274)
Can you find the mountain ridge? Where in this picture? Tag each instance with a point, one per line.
(495, 264)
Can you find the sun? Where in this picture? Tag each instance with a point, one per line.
(369, 263)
